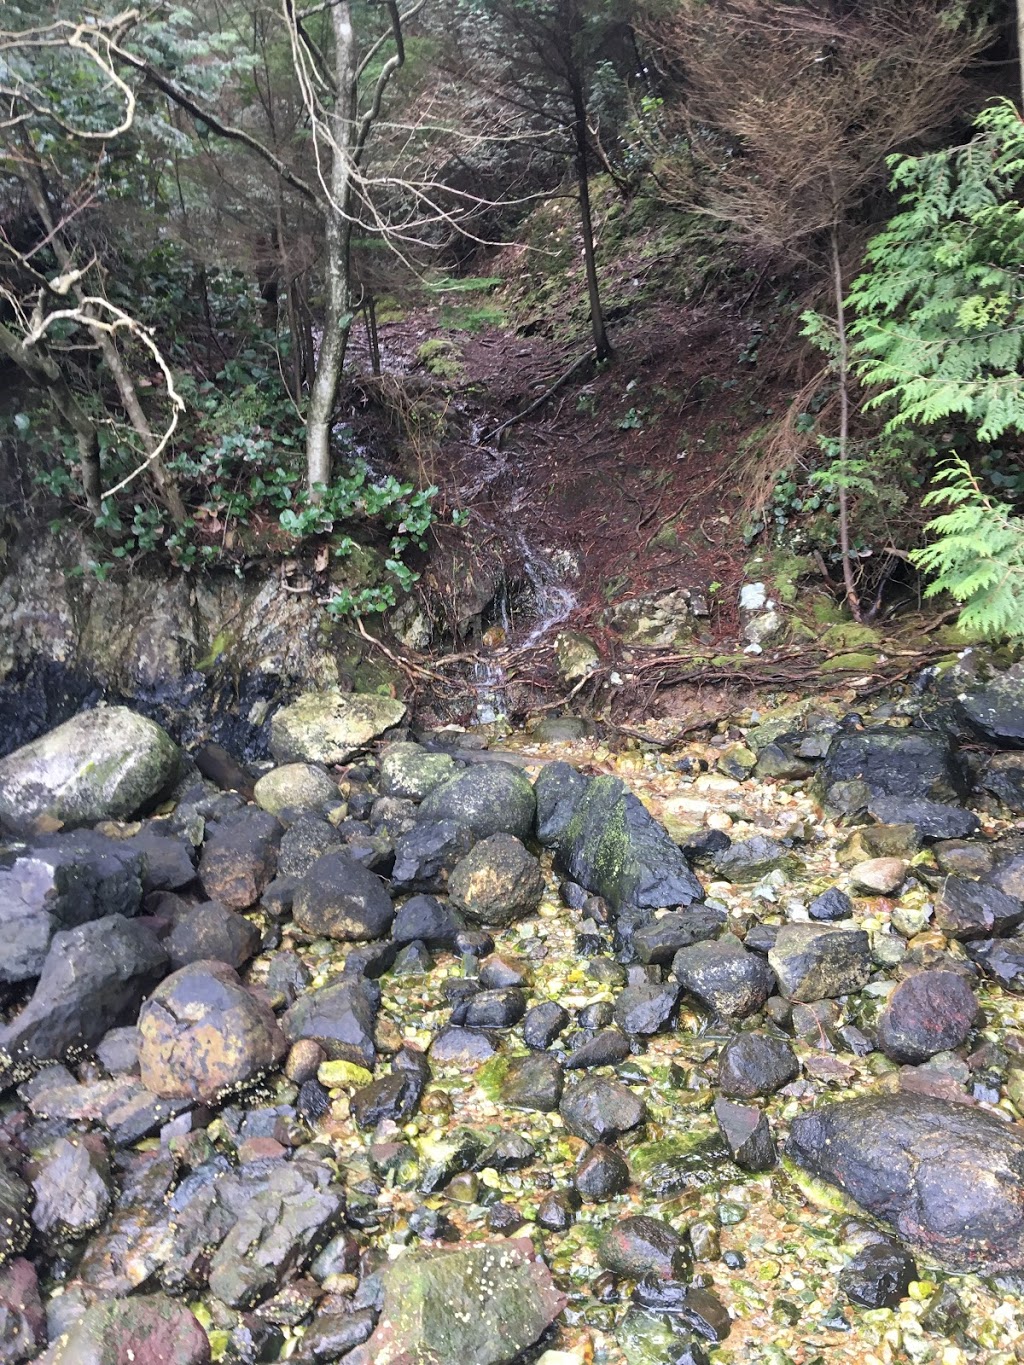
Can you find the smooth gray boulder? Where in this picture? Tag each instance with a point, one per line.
(105, 764)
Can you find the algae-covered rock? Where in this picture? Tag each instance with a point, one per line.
(105, 764)
(329, 727)
(672, 1166)
(149, 1330)
(484, 1304)
(614, 847)
(576, 654)
(409, 770)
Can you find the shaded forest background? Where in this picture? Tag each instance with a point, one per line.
(245, 247)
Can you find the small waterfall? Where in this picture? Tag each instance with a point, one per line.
(551, 602)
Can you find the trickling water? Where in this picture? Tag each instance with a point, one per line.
(552, 603)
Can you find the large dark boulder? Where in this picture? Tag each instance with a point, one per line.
(559, 789)
(947, 1178)
(68, 880)
(211, 930)
(95, 976)
(890, 762)
(204, 1035)
(967, 909)
(339, 898)
(614, 847)
(239, 857)
(995, 709)
(489, 798)
(930, 1012)
(426, 854)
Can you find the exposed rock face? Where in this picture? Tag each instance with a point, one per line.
(948, 1179)
(484, 1303)
(329, 727)
(204, 1034)
(105, 764)
(93, 978)
(996, 708)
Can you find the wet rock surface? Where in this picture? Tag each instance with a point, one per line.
(321, 1062)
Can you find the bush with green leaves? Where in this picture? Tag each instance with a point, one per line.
(938, 337)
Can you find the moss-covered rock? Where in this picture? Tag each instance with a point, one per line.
(329, 727)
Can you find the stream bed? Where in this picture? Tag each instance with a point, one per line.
(418, 1005)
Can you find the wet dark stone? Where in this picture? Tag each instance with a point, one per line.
(462, 1047)
(340, 899)
(700, 1309)
(752, 859)
(891, 762)
(331, 1335)
(832, 904)
(508, 1153)
(556, 1212)
(504, 1219)
(147, 1329)
(425, 855)
(705, 845)
(946, 1177)
(474, 943)
(931, 819)
(22, 1319)
(495, 1009)
(967, 909)
(879, 1276)
(754, 1064)
(501, 970)
(313, 1100)
(488, 798)
(601, 1110)
(533, 1082)
(673, 1166)
(746, 1131)
(498, 882)
(239, 858)
(391, 1097)
(645, 1010)
(760, 938)
(414, 960)
(559, 789)
(601, 1174)
(306, 839)
(614, 847)
(1003, 776)
(1002, 960)
(94, 977)
(664, 1338)
(659, 940)
(340, 1016)
(929, 1012)
(817, 961)
(597, 1015)
(72, 1189)
(724, 978)
(371, 960)
(640, 1246)
(211, 930)
(606, 1047)
(66, 881)
(543, 1023)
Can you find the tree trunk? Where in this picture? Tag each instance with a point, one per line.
(338, 237)
(602, 347)
(843, 369)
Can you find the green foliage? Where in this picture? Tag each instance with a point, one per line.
(939, 331)
(939, 336)
(977, 554)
